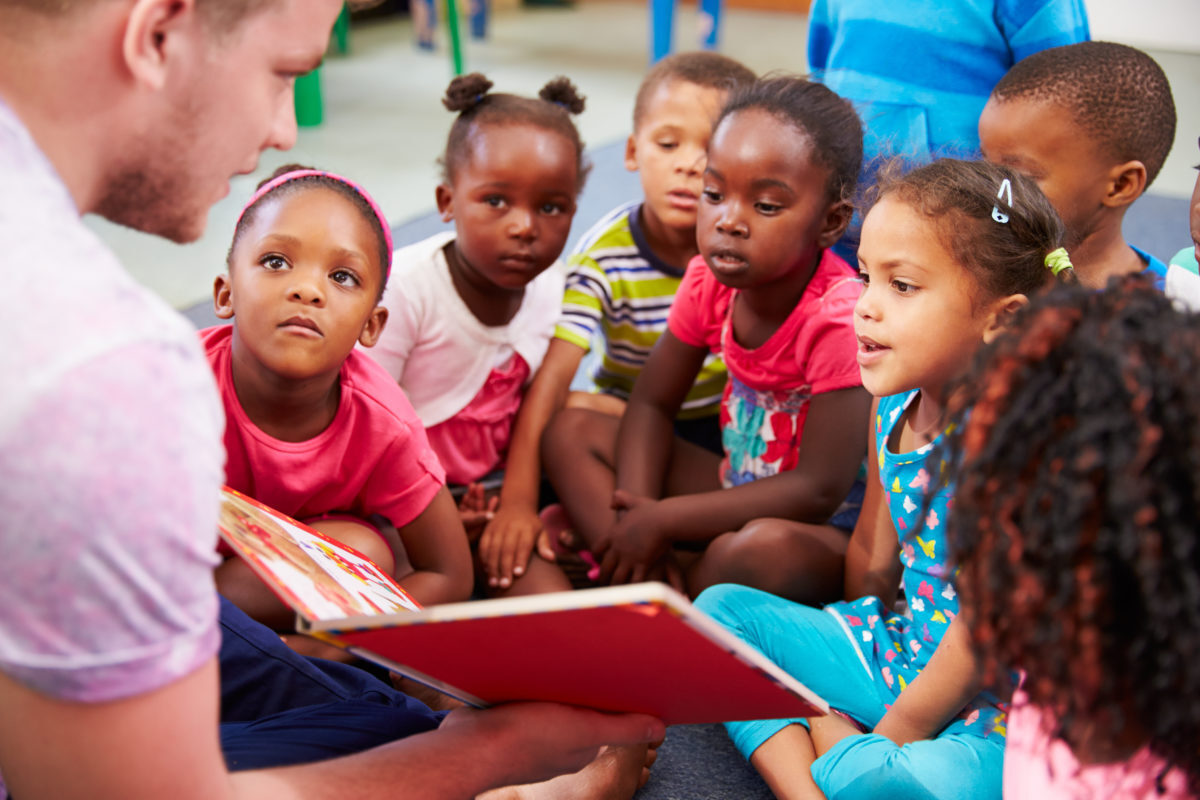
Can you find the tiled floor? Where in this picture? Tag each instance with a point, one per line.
(384, 124)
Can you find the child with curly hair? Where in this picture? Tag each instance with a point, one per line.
(1075, 529)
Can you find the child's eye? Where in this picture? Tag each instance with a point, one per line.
(767, 208)
(494, 200)
(668, 145)
(903, 287)
(273, 262)
(864, 278)
(344, 277)
(552, 209)
(712, 195)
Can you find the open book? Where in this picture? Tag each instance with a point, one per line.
(642, 647)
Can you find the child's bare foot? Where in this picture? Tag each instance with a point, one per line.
(615, 774)
(578, 564)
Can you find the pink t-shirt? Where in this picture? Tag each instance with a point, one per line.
(1037, 767)
(372, 459)
(766, 399)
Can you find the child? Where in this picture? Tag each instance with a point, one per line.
(1092, 123)
(622, 285)
(1075, 525)
(769, 296)
(948, 253)
(314, 428)
(472, 311)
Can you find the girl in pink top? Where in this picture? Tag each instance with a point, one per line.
(768, 294)
(1075, 524)
(314, 428)
(473, 310)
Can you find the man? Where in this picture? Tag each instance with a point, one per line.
(110, 429)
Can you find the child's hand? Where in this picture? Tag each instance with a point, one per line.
(475, 510)
(506, 545)
(635, 543)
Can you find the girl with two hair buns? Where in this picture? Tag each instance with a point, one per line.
(472, 310)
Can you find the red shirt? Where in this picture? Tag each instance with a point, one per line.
(372, 459)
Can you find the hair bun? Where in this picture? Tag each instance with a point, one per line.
(466, 91)
(562, 92)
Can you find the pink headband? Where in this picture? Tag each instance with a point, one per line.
(288, 177)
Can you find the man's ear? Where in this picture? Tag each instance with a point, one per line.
(1126, 182)
(837, 218)
(1001, 314)
(151, 31)
(374, 327)
(631, 154)
(445, 201)
(223, 297)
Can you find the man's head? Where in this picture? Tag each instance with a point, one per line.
(1092, 123)
(148, 107)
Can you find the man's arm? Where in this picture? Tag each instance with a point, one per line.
(164, 744)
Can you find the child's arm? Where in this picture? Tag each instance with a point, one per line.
(872, 557)
(508, 539)
(437, 548)
(646, 433)
(947, 683)
(831, 451)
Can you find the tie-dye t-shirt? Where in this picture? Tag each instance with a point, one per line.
(110, 458)
(896, 647)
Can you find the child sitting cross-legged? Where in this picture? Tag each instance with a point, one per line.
(1092, 123)
(949, 252)
(471, 312)
(314, 428)
(621, 282)
(770, 297)
(1075, 527)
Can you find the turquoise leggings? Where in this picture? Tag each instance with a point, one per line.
(813, 646)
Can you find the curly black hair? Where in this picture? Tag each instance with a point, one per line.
(1075, 512)
(470, 97)
(1117, 95)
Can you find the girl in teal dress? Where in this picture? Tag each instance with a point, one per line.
(949, 252)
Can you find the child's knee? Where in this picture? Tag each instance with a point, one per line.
(946, 768)
(573, 430)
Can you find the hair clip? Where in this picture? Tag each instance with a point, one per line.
(1057, 261)
(997, 214)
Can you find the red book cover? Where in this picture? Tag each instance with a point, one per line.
(642, 647)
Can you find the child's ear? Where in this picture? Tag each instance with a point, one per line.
(1126, 182)
(837, 218)
(445, 201)
(631, 154)
(223, 297)
(1002, 311)
(374, 327)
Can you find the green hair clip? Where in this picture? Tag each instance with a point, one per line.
(1058, 260)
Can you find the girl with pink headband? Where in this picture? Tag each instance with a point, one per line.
(314, 428)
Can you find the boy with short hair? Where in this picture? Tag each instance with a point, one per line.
(622, 280)
(1092, 123)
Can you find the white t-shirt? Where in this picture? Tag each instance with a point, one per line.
(438, 351)
(110, 458)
